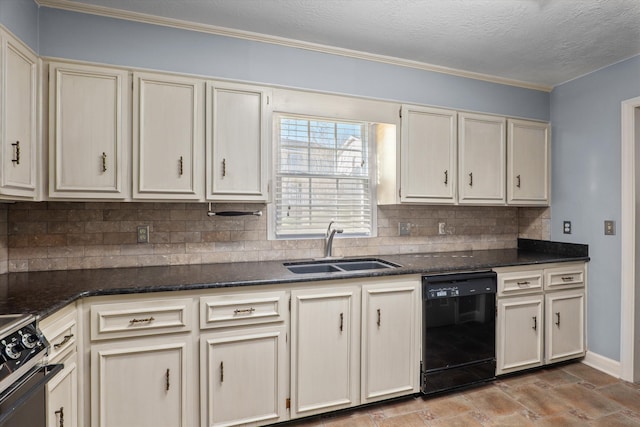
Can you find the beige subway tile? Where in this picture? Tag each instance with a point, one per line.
(136, 249)
(85, 215)
(153, 215)
(186, 237)
(102, 227)
(151, 260)
(229, 246)
(169, 248)
(200, 247)
(159, 237)
(119, 261)
(187, 214)
(185, 259)
(169, 226)
(258, 245)
(204, 225)
(216, 236)
(120, 215)
(18, 265)
(85, 263)
(119, 238)
(246, 235)
(65, 227)
(65, 252)
(101, 250)
(48, 240)
(47, 215)
(85, 239)
(47, 264)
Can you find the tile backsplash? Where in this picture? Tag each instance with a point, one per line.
(74, 235)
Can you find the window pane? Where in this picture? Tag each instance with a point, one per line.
(322, 175)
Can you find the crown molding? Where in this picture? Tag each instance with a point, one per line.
(247, 35)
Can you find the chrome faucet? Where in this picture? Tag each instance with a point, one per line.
(328, 239)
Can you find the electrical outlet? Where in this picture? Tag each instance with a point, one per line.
(609, 227)
(441, 229)
(404, 228)
(143, 234)
(566, 227)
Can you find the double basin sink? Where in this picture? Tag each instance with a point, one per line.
(338, 265)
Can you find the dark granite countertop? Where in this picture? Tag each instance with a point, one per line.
(42, 293)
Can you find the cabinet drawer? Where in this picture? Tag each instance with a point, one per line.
(61, 330)
(570, 276)
(240, 309)
(519, 282)
(119, 320)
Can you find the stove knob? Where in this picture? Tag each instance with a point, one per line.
(29, 340)
(12, 350)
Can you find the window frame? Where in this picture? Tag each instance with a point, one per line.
(372, 173)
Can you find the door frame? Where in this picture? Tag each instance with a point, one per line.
(629, 354)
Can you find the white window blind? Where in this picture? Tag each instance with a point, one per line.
(322, 174)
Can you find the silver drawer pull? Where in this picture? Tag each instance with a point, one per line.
(244, 310)
(138, 321)
(567, 278)
(65, 340)
(525, 283)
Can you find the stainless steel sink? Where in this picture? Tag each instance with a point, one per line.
(340, 265)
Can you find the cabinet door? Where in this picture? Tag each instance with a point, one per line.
(482, 159)
(62, 396)
(18, 122)
(88, 110)
(390, 340)
(519, 335)
(243, 377)
(142, 383)
(528, 163)
(168, 141)
(325, 350)
(564, 325)
(428, 152)
(238, 126)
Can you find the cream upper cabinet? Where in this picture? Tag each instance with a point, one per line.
(168, 137)
(325, 350)
(238, 130)
(390, 339)
(88, 120)
(428, 155)
(528, 163)
(18, 107)
(482, 159)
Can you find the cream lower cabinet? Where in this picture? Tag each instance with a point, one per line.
(520, 333)
(390, 340)
(62, 397)
(565, 325)
(544, 322)
(325, 349)
(142, 382)
(243, 377)
(243, 358)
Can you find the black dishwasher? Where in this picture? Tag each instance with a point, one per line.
(458, 330)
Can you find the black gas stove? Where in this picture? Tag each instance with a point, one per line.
(22, 346)
(23, 376)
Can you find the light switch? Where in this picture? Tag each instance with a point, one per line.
(609, 227)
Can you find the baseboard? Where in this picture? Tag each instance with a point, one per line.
(604, 364)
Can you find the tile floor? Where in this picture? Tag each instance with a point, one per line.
(565, 395)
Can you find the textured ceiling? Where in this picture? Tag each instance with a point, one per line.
(540, 42)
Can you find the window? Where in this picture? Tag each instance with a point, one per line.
(322, 174)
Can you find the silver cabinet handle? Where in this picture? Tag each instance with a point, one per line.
(518, 179)
(244, 310)
(104, 162)
(137, 321)
(535, 323)
(525, 283)
(16, 154)
(471, 179)
(61, 418)
(65, 340)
